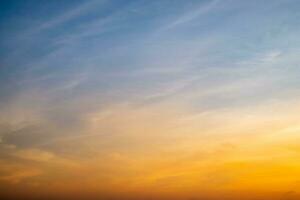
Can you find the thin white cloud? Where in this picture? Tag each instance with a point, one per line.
(69, 15)
(272, 56)
(187, 17)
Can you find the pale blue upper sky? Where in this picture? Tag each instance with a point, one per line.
(64, 59)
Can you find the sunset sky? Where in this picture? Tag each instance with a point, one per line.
(150, 99)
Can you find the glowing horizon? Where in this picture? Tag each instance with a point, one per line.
(181, 100)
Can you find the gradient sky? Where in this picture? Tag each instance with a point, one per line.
(150, 99)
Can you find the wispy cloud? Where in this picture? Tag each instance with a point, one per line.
(192, 14)
(69, 15)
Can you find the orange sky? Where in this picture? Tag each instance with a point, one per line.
(251, 151)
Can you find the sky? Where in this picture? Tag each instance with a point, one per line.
(152, 100)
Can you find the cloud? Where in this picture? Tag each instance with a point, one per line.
(192, 14)
(34, 155)
(19, 176)
(69, 15)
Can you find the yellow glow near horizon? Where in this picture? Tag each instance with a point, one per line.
(248, 150)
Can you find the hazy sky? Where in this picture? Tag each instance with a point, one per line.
(150, 99)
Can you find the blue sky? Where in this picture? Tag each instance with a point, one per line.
(97, 38)
(174, 68)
